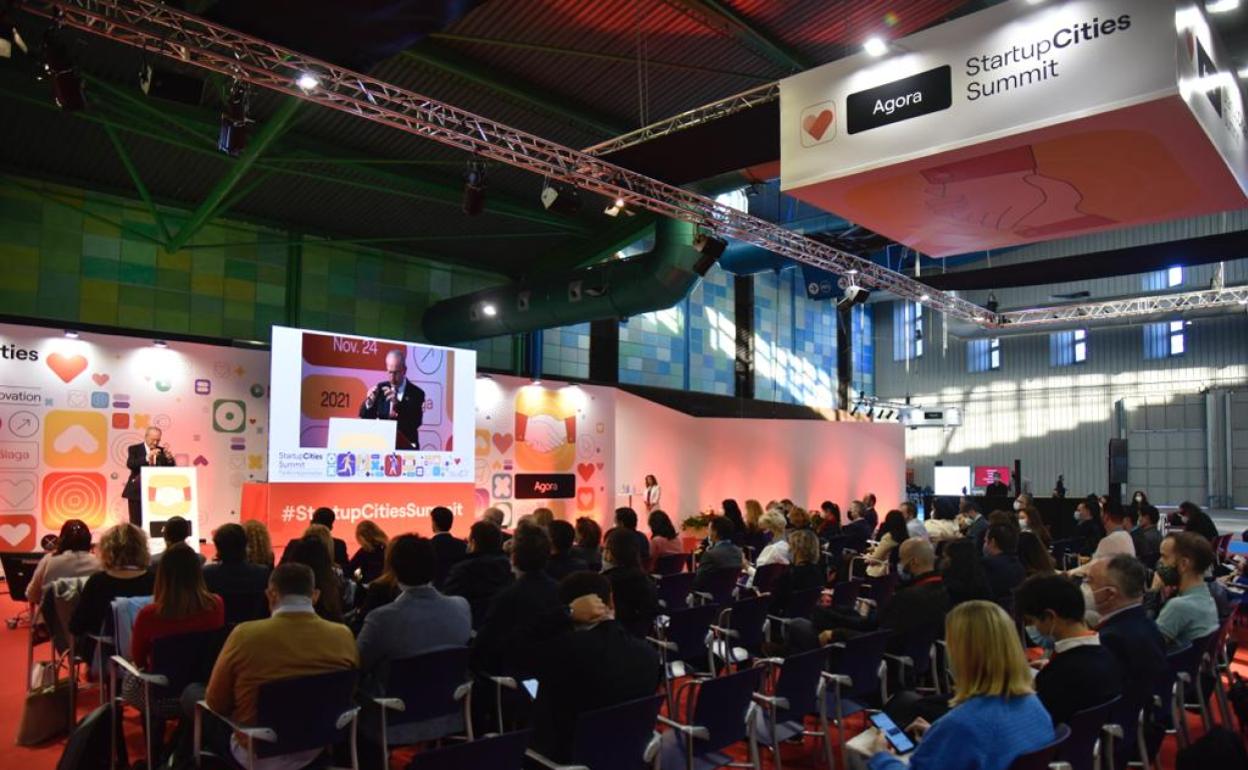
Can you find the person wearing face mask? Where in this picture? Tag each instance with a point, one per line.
(1190, 613)
(1117, 588)
(1146, 537)
(1029, 520)
(1196, 520)
(1001, 564)
(1117, 540)
(1081, 674)
(1088, 526)
(1024, 500)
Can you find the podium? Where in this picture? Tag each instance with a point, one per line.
(166, 492)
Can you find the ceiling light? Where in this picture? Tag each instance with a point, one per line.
(10, 37)
(488, 310)
(1243, 74)
(307, 82)
(160, 343)
(474, 188)
(617, 207)
(875, 46)
(71, 334)
(925, 298)
(60, 71)
(232, 139)
(561, 199)
(1221, 6)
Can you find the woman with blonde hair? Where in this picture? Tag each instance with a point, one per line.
(259, 546)
(995, 716)
(370, 560)
(125, 559)
(756, 538)
(776, 552)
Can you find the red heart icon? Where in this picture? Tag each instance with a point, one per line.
(67, 367)
(817, 124)
(585, 499)
(586, 470)
(502, 441)
(599, 465)
(100, 379)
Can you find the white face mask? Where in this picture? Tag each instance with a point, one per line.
(1018, 506)
(1023, 525)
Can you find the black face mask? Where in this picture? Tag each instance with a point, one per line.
(1169, 574)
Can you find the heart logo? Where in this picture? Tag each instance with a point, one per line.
(200, 460)
(100, 378)
(67, 367)
(585, 470)
(16, 533)
(457, 461)
(503, 442)
(816, 124)
(585, 499)
(16, 494)
(598, 465)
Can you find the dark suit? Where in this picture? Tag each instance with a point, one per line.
(241, 586)
(508, 623)
(136, 458)
(340, 552)
(477, 578)
(448, 550)
(1133, 639)
(1200, 523)
(916, 609)
(410, 409)
(1005, 572)
(563, 564)
(1077, 679)
(720, 556)
(856, 534)
(977, 530)
(635, 598)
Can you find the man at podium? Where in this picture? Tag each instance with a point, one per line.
(149, 452)
(396, 398)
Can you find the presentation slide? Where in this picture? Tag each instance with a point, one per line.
(952, 479)
(348, 409)
(986, 474)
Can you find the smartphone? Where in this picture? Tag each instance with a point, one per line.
(896, 737)
(531, 686)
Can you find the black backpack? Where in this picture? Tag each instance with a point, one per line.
(89, 744)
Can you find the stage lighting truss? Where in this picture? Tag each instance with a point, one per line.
(166, 31)
(1132, 307)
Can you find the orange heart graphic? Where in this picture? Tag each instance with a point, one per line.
(503, 442)
(585, 499)
(817, 124)
(100, 379)
(586, 470)
(67, 367)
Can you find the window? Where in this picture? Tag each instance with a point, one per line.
(1174, 276)
(1165, 339)
(1160, 280)
(1176, 338)
(983, 355)
(907, 330)
(1066, 348)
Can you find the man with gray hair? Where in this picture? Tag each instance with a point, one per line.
(1116, 586)
(395, 398)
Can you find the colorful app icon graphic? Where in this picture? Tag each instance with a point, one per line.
(17, 491)
(68, 496)
(99, 400)
(121, 421)
(229, 415)
(203, 387)
(73, 439)
(500, 486)
(394, 465)
(345, 465)
(168, 495)
(17, 533)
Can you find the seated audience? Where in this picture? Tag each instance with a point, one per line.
(777, 550)
(378, 593)
(513, 607)
(914, 527)
(1147, 537)
(542, 517)
(868, 511)
(231, 577)
(124, 557)
(72, 558)
(294, 642)
(497, 517)
(1139, 501)
(1081, 674)
(1189, 613)
(562, 563)
(367, 563)
(859, 530)
(963, 571)
(636, 598)
(806, 573)
(721, 554)
(831, 525)
(1196, 520)
(664, 540)
(325, 517)
(483, 572)
(259, 546)
(584, 660)
(1035, 557)
(1116, 540)
(973, 523)
(446, 547)
(177, 531)
(993, 688)
(893, 532)
(588, 542)
(181, 604)
(1001, 565)
(1117, 589)
(756, 538)
(1029, 520)
(1088, 526)
(798, 518)
(419, 620)
(941, 526)
(626, 518)
(732, 512)
(311, 551)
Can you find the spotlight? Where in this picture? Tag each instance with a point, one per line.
(160, 343)
(474, 188)
(875, 46)
(307, 82)
(488, 310)
(10, 37)
(561, 199)
(711, 248)
(59, 69)
(925, 298)
(617, 207)
(71, 334)
(854, 295)
(160, 83)
(1221, 6)
(991, 304)
(234, 121)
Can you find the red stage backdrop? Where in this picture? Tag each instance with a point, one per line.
(396, 508)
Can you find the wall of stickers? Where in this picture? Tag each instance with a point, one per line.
(70, 408)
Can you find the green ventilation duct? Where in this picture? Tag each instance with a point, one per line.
(616, 288)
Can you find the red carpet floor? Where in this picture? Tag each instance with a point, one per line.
(13, 645)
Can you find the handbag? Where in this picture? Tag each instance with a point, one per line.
(45, 714)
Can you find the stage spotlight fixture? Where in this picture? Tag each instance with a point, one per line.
(875, 46)
(160, 83)
(991, 304)
(10, 36)
(561, 199)
(854, 295)
(710, 248)
(307, 82)
(925, 298)
(71, 334)
(474, 188)
(59, 68)
(617, 207)
(234, 121)
(160, 343)
(488, 310)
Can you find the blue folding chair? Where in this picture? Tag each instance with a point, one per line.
(719, 712)
(619, 737)
(681, 637)
(671, 564)
(496, 752)
(292, 715)
(718, 586)
(1040, 758)
(800, 689)
(916, 659)
(859, 676)
(431, 686)
(673, 590)
(1082, 749)
(800, 605)
(738, 636)
(1186, 663)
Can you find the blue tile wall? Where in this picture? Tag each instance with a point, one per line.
(565, 351)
